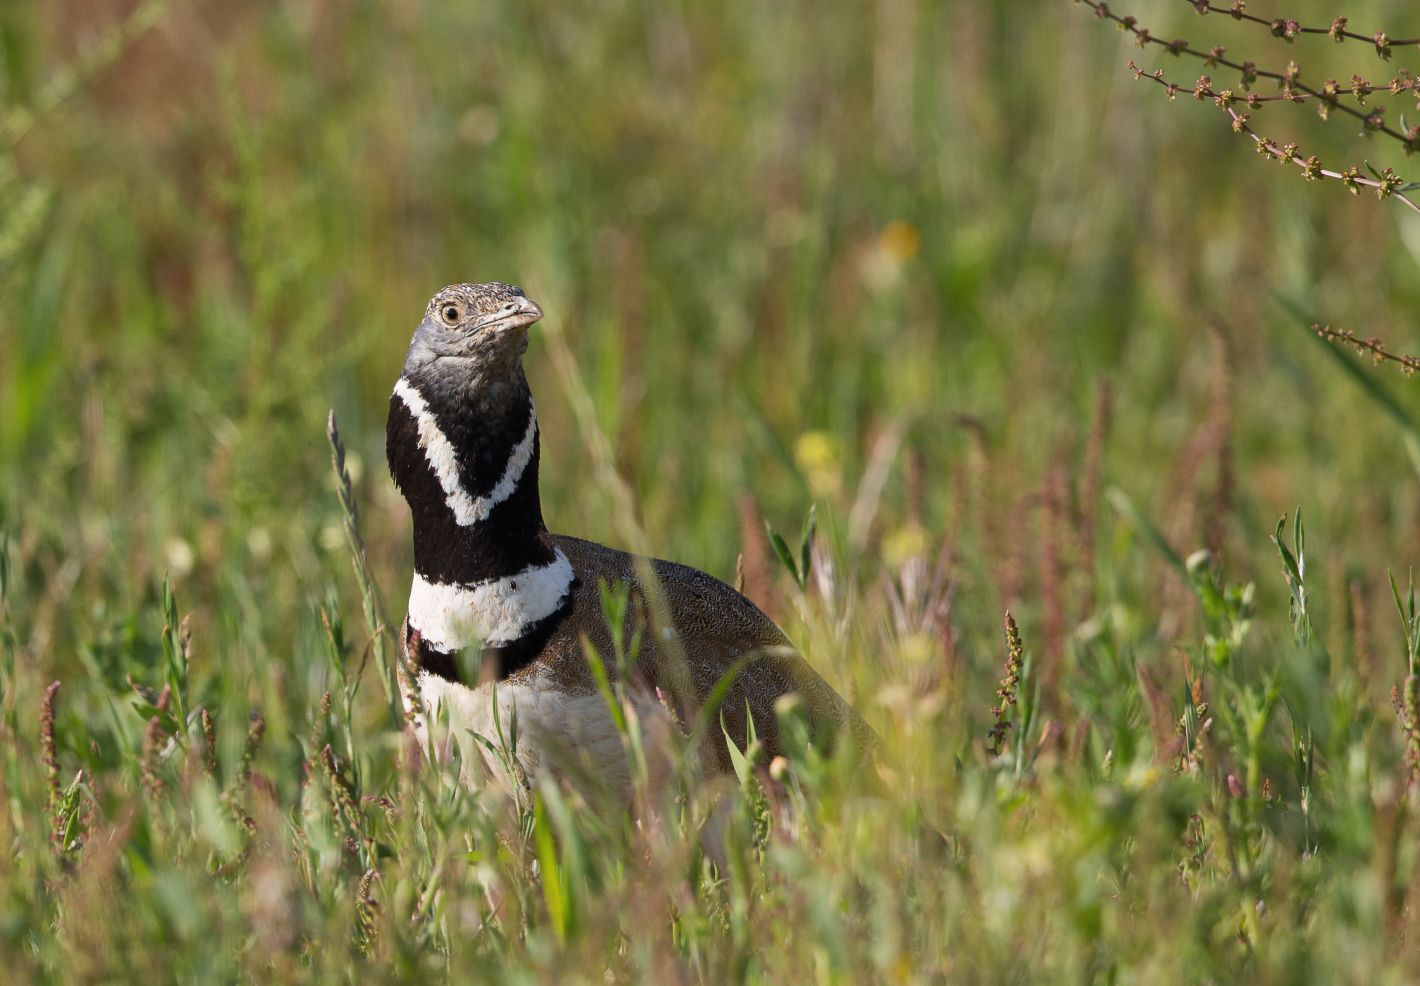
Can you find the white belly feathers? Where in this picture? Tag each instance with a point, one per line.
(552, 725)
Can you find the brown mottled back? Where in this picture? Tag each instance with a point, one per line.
(715, 627)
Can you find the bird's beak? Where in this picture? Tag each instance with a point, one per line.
(530, 311)
(525, 313)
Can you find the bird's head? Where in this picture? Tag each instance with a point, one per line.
(473, 330)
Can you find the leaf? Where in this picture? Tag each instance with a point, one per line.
(603, 683)
(1294, 568)
(554, 887)
(1190, 717)
(1409, 620)
(513, 732)
(806, 540)
(738, 760)
(1395, 594)
(782, 550)
(1289, 562)
(569, 847)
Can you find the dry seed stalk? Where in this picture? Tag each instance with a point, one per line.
(342, 798)
(1410, 721)
(47, 743)
(50, 752)
(256, 730)
(153, 745)
(1288, 29)
(209, 743)
(320, 725)
(1293, 89)
(1372, 347)
(1386, 184)
(366, 908)
(1332, 96)
(1015, 660)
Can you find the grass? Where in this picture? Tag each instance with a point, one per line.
(1020, 334)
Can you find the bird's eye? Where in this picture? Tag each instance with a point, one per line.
(452, 314)
(510, 306)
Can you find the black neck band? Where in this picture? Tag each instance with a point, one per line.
(512, 536)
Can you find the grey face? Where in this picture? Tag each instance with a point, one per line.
(483, 326)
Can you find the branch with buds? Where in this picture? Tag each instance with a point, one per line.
(1332, 96)
(1372, 347)
(1354, 99)
(1289, 30)
(1386, 183)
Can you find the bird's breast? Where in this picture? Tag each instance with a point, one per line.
(528, 725)
(493, 612)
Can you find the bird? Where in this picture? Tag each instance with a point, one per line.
(499, 607)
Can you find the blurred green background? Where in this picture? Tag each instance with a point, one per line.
(774, 238)
(749, 221)
(944, 270)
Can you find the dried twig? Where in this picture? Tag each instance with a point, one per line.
(1387, 184)
(1289, 30)
(1293, 89)
(1372, 347)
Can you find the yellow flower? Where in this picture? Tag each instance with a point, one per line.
(820, 458)
(899, 241)
(906, 542)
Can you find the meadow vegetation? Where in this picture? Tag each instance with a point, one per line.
(1021, 335)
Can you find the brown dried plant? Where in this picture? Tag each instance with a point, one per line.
(1010, 683)
(1331, 97)
(154, 739)
(1357, 98)
(1372, 347)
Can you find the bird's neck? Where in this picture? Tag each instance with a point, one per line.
(466, 461)
(486, 572)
